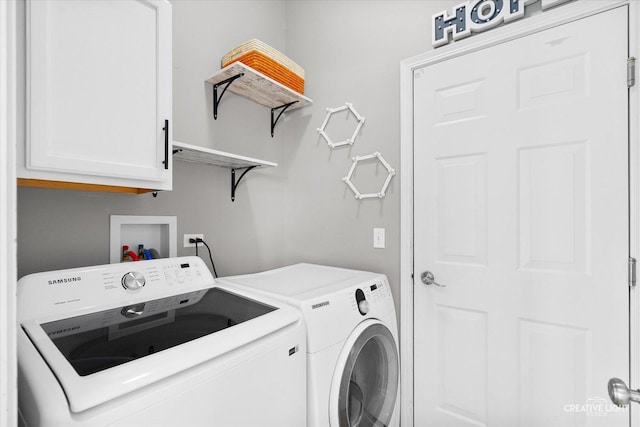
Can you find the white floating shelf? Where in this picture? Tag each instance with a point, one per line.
(259, 88)
(194, 154)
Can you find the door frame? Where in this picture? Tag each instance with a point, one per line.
(8, 269)
(561, 15)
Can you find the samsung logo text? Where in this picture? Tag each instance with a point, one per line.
(65, 280)
(320, 305)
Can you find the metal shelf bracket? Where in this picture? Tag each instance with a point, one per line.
(283, 108)
(216, 98)
(234, 183)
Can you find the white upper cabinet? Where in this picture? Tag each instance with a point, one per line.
(99, 93)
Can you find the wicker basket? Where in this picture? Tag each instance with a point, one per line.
(268, 61)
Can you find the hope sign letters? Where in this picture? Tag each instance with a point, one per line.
(479, 15)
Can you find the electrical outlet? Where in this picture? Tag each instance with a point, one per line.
(188, 244)
(378, 238)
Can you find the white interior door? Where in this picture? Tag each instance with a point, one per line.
(521, 211)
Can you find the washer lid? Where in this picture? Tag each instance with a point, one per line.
(106, 354)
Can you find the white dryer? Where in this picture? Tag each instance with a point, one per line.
(156, 343)
(352, 361)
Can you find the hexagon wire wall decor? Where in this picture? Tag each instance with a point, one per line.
(349, 141)
(390, 173)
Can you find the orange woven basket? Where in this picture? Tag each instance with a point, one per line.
(268, 61)
(272, 69)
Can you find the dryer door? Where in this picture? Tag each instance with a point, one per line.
(365, 382)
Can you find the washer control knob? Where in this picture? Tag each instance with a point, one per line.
(363, 306)
(133, 281)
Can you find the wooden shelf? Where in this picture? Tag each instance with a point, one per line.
(258, 87)
(194, 154)
(253, 85)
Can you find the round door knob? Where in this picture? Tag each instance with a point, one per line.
(620, 394)
(133, 281)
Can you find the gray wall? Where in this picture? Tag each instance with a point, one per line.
(351, 51)
(299, 211)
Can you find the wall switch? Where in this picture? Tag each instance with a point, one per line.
(378, 238)
(188, 244)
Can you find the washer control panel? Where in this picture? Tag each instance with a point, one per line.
(63, 291)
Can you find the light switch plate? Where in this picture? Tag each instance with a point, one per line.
(378, 238)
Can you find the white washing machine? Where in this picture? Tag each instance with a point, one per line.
(352, 361)
(156, 343)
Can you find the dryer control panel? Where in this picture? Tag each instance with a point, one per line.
(333, 316)
(370, 297)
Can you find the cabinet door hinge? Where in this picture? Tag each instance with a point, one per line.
(632, 272)
(631, 71)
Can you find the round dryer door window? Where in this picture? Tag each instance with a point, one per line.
(366, 379)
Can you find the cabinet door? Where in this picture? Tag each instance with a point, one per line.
(99, 91)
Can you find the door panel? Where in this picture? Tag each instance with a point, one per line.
(521, 211)
(462, 226)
